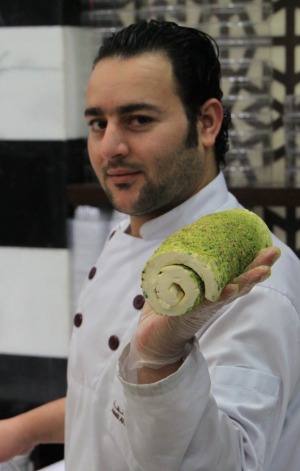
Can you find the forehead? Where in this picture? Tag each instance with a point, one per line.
(115, 80)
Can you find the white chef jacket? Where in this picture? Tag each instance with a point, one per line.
(234, 404)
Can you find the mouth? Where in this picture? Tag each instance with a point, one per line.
(122, 176)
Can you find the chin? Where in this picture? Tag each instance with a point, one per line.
(121, 207)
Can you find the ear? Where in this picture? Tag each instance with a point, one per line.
(210, 121)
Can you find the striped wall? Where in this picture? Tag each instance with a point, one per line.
(46, 51)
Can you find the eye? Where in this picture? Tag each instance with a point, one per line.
(144, 119)
(138, 121)
(97, 124)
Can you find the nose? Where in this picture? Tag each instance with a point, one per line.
(113, 143)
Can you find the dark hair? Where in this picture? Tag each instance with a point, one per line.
(194, 57)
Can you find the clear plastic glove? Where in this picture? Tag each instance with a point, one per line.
(160, 340)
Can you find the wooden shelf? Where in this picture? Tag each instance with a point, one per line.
(265, 197)
(268, 196)
(92, 194)
(86, 194)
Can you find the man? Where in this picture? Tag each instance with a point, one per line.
(223, 396)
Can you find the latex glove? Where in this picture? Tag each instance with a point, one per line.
(162, 340)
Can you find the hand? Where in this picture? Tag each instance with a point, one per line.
(160, 341)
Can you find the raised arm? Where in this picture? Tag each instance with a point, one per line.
(224, 407)
(159, 343)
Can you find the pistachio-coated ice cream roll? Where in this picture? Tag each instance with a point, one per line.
(197, 262)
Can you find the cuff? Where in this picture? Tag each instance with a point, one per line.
(128, 377)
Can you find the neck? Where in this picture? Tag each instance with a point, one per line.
(136, 222)
(210, 172)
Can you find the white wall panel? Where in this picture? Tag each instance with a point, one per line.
(34, 301)
(43, 75)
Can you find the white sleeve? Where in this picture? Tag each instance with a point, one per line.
(224, 408)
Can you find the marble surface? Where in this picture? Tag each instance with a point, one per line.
(59, 466)
(43, 77)
(35, 302)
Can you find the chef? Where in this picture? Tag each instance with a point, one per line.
(148, 392)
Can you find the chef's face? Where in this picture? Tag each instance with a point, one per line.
(138, 136)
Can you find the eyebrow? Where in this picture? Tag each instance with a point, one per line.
(93, 112)
(123, 109)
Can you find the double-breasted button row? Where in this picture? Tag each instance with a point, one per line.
(113, 341)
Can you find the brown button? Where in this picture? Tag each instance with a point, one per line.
(92, 273)
(113, 342)
(78, 319)
(138, 301)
